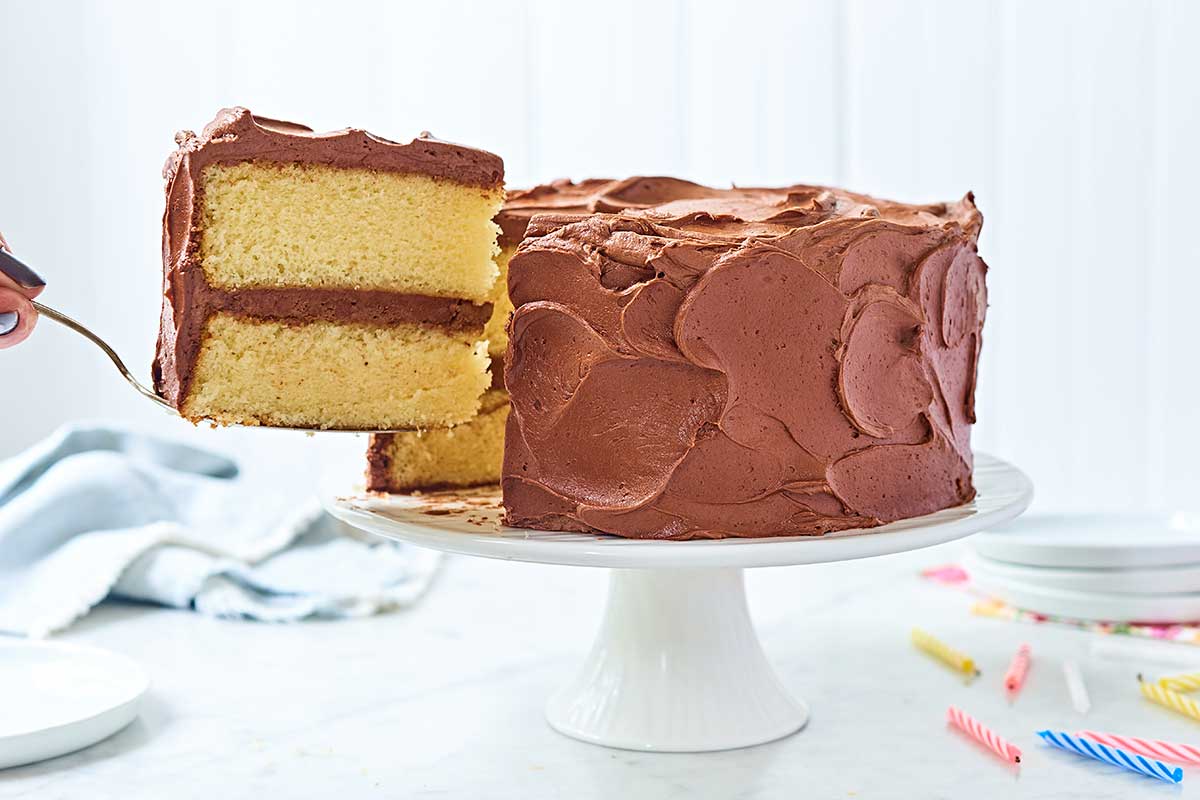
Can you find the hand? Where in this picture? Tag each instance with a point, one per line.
(18, 285)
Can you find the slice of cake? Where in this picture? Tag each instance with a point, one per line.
(334, 280)
(743, 362)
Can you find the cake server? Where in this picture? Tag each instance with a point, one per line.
(63, 319)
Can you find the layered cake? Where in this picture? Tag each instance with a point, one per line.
(708, 363)
(471, 453)
(335, 280)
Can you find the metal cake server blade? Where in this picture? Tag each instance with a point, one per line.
(64, 320)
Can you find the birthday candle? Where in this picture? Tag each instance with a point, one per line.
(1155, 748)
(1188, 682)
(1170, 699)
(944, 652)
(1076, 687)
(985, 736)
(1113, 755)
(1014, 679)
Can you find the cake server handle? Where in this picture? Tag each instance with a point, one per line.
(64, 320)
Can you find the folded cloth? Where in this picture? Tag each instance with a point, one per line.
(93, 512)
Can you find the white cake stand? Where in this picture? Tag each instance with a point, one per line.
(677, 665)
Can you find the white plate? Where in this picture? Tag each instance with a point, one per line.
(1097, 541)
(1100, 606)
(468, 522)
(58, 698)
(1182, 579)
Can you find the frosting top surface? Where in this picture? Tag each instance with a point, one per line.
(235, 134)
(743, 362)
(714, 213)
(563, 196)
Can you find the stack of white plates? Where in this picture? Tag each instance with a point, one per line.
(1120, 568)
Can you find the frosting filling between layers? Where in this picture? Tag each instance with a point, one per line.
(742, 363)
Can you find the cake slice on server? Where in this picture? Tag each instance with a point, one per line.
(334, 280)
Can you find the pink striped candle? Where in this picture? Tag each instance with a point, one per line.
(1014, 679)
(1155, 748)
(982, 734)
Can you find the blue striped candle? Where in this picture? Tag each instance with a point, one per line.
(1113, 755)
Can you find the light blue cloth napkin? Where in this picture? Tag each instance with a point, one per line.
(93, 512)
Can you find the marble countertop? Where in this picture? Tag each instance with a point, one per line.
(445, 700)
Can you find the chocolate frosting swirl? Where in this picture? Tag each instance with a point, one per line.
(742, 362)
(560, 196)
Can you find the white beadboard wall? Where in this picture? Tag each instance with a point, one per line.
(1075, 123)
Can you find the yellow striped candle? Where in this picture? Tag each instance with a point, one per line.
(1168, 698)
(1188, 682)
(944, 653)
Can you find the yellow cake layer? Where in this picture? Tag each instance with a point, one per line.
(465, 455)
(331, 375)
(268, 224)
(501, 307)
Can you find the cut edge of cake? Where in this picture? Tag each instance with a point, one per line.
(466, 455)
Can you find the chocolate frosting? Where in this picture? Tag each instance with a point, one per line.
(236, 135)
(742, 362)
(560, 196)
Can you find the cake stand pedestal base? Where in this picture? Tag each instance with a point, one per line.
(676, 667)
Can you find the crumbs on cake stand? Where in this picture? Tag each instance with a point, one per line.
(479, 505)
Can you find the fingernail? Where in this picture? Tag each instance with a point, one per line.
(9, 321)
(15, 269)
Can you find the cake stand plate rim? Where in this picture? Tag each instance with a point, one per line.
(1003, 492)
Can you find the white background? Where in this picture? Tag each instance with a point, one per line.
(1076, 124)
